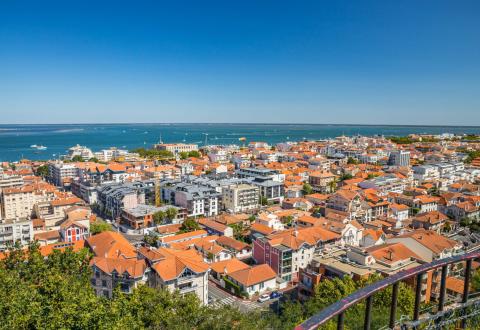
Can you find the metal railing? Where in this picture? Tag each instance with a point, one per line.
(339, 308)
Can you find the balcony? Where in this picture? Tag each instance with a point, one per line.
(187, 289)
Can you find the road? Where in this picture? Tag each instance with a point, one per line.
(224, 298)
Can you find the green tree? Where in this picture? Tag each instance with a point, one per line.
(77, 158)
(150, 239)
(263, 200)
(288, 220)
(352, 160)
(189, 225)
(171, 213)
(153, 153)
(99, 226)
(346, 176)
(55, 293)
(238, 231)
(159, 217)
(42, 171)
(307, 189)
(94, 160)
(183, 155)
(194, 154)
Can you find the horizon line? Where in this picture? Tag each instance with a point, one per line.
(241, 123)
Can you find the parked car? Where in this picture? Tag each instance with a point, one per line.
(275, 294)
(263, 298)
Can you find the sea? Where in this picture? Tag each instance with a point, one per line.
(16, 140)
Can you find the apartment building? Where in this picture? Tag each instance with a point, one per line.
(196, 199)
(385, 184)
(19, 202)
(240, 198)
(291, 250)
(351, 204)
(15, 230)
(10, 181)
(113, 198)
(399, 158)
(142, 215)
(176, 148)
(62, 174)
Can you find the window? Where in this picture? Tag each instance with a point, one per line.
(104, 283)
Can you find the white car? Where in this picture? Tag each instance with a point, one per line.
(263, 298)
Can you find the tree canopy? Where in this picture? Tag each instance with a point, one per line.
(42, 171)
(153, 153)
(55, 293)
(189, 225)
(99, 226)
(188, 154)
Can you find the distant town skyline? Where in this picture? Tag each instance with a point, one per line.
(371, 62)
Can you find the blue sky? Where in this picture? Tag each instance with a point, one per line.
(368, 62)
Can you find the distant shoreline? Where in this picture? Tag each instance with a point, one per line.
(256, 124)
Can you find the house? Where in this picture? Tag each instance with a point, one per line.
(215, 228)
(372, 237)
(427, 244)
(71, 231)
(108, 273)
(221, 268)
(400, 213)
(251, 281)
(464, 210)
(433, 220)
(239, 249)
(178, 270)
(167, 240)
(211, 251)
(47, 237)
(297, 203)
(109, 244)
(270, 220)
(322, 181)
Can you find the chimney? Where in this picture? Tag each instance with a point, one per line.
(390, 255)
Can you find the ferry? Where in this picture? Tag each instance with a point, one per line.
(38, 147)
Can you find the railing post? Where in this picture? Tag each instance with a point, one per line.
(393, 306)
(340, 321)
(443, 287)
(368, 313)
(466, 289)
(418, 297)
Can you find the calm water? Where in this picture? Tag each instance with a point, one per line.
(15, 140)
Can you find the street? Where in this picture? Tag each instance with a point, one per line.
(224, 298)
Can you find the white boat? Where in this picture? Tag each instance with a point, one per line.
(33, 146)
(40, 147)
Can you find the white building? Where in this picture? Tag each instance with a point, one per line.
(15, 230)
(240, 198)
(60, 173)
(81, 151)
